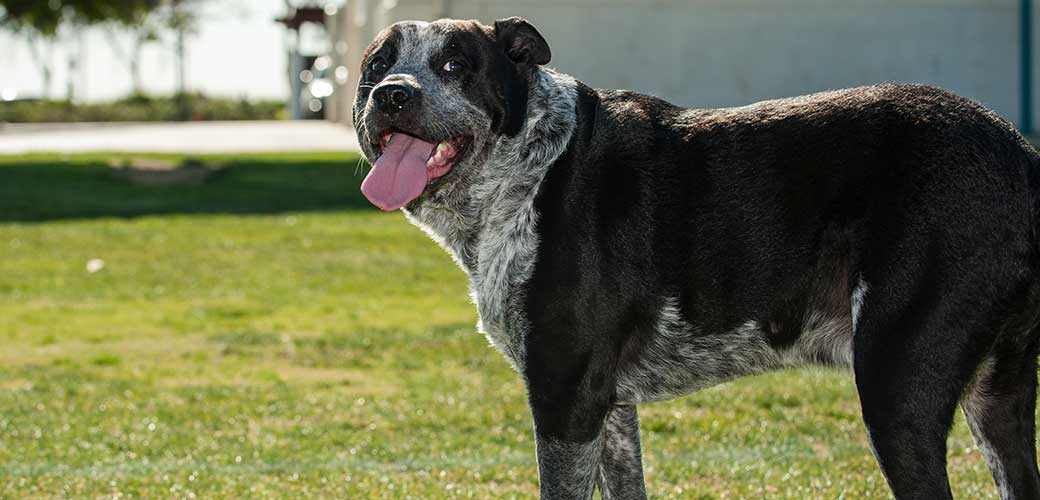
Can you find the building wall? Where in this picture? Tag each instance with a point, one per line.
(715, 53)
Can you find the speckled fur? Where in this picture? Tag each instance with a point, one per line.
(620, 475)
(681, 359)
(491, 232)
(621, 250)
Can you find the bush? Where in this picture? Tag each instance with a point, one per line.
(143, 108)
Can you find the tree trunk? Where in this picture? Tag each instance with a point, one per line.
(74, 62)
(135, 66)
(43, 62)
(182, 79)
(131, 58)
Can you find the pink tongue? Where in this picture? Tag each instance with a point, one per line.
(399, 175)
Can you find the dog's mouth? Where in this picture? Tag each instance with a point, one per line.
(442, 157)
(406, 165)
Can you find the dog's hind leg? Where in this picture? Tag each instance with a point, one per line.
(908, 415)
(915, 358)
(947, 260)
(621, 463)
(912, 361)
(999, 407)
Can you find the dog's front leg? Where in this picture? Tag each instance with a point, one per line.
(570, 398)
(567, 469)
(620, 473)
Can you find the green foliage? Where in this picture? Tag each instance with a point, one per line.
(307, 346)
(143, 108)
(45, 16)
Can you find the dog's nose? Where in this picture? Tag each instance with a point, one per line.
(394, 97)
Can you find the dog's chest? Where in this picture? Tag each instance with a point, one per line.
(489, 226)
(498, 260)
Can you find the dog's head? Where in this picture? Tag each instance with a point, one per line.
(435, 97)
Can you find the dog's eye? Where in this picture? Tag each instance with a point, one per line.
(453, 66)
(378, 66)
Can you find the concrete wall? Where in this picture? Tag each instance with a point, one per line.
(714, 53)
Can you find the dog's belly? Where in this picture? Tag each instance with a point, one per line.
(680, 358)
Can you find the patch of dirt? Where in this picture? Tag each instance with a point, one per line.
(161, 172)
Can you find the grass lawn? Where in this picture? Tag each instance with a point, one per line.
(266, 334)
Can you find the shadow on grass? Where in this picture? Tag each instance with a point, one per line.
(52, 187)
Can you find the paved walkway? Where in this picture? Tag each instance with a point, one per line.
(185, 137)
(180, 137)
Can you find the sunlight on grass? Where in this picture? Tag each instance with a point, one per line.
(260, 344)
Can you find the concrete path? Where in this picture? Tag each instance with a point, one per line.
(179, 137)
(185, 137)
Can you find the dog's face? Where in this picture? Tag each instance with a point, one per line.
(435, 97)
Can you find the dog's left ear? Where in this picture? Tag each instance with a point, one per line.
(521, 41)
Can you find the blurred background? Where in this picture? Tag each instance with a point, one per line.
(196, 301)
(274, 59)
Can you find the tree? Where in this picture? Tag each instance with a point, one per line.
(140, 35)
(39, 21)
(182, 19)
(45, 16)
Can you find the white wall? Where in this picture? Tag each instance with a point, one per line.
(712, 53)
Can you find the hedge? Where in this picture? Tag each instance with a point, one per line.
(143, 108)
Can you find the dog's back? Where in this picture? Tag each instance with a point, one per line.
(773, 207)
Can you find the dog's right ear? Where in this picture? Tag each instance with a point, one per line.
(521, 41)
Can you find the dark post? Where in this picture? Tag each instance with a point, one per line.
(1026, 66)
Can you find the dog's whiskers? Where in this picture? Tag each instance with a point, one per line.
(357, 166)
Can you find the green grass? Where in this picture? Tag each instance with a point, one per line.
(268, 335)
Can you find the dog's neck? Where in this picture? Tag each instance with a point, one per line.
(489, 228)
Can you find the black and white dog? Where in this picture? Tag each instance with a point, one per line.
(622, 250)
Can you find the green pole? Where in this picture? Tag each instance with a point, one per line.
(1026, 66)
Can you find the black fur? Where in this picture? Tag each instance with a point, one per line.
(750, 230)
(761, 212)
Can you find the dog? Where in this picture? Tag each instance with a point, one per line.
(622, 250)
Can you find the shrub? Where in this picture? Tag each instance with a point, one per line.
(141, 107)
